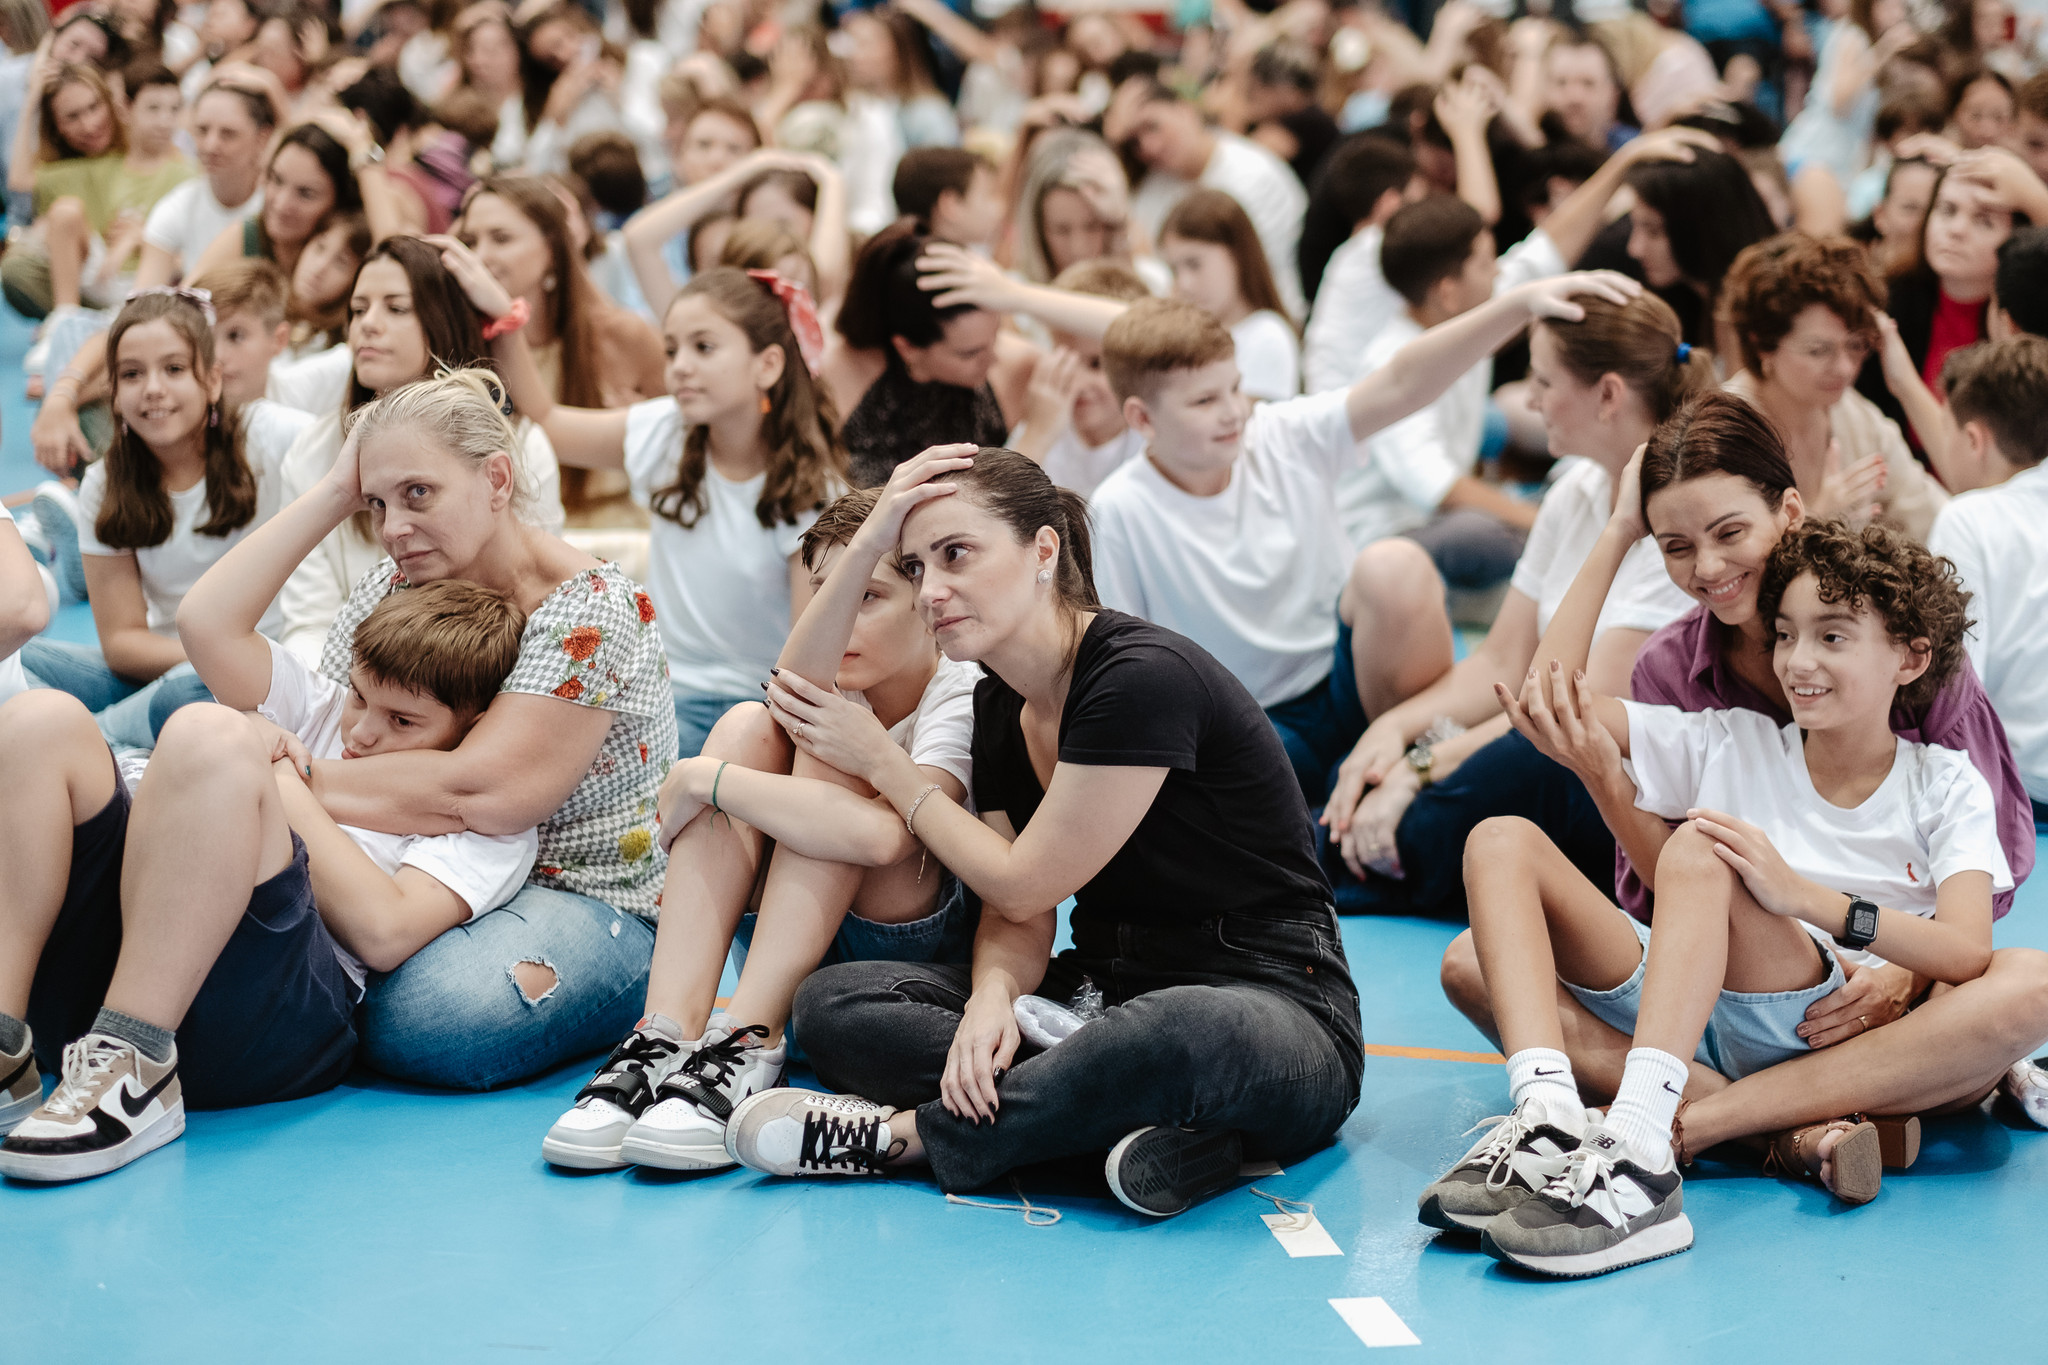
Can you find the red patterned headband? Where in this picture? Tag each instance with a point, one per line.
(802, 314)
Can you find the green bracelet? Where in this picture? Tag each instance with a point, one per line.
(714, 787)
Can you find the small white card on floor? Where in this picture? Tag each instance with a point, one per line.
(1375, 1323)
(1301, 1236)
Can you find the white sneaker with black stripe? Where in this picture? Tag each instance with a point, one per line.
(1519, 1155)
(111, 1105)
(1608, 1208)
(684, 1129)
(588, 1137)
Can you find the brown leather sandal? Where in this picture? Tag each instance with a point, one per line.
(1898, 1135)
(1852, 1170)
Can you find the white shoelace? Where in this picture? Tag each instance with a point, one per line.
(1499, 1151)
(1583, 1169)
(1299, 1221)
(1034, 1215)
(82, 1065)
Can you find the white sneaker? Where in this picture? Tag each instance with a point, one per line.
(2026, 1085)
(111, 1106)
(684, 1129)
(804, 1132)
(21, 1086)
(587, 1138)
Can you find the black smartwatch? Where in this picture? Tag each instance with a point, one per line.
(1860, 928)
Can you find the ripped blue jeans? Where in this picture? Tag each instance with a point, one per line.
(454, 1014)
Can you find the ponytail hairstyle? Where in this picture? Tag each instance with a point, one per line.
(806, 457)
(1214, 217)
(883, 298)
(461, 411)
(1717, 433)
(137, 511)
(1641, 343)
(1014, 490)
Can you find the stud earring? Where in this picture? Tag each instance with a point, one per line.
(1045, 575)
(548, 284)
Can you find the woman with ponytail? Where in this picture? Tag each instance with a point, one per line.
(1115, 762)
(1428, 771)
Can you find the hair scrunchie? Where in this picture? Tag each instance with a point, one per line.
(1684, 353)
(802, 314)
(513, 318)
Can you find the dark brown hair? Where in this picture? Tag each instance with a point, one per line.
(807, 458)
(2004, 385)
(1774, 281)
(1428, 242)
(1717, 433)
(137, 511)
(314, 319)
(836, 525)
(576, 305)
(450, 640)
(883, 297)
(1214, 217)
(454, 336)
(925, 173)
(1640, 342)
(1918, 594)
(1015, 491)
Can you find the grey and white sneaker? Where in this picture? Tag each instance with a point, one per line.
(587, 1138)
(57, 512)
(806, 1132)
(1608, 1208)
(1163, 1171)
(2025, 1084)
(21, 1086)
(111, 1105)
(684, 1129)
(1519, 1155)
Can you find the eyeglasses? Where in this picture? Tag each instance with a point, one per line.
(1856, 350)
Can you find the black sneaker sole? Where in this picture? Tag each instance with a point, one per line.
(1162, 1171)
(1430, 1213)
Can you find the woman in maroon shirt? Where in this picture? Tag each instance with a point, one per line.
(1717, 512)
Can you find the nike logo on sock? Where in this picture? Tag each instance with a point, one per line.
(1541, 1072)
(1668, 1086)
(133, 1105)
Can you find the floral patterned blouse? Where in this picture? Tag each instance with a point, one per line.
(592, 642)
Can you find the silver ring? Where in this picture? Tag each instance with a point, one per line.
(803, 729)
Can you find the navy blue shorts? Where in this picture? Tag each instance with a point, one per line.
(274, 1019)
(1319, 727)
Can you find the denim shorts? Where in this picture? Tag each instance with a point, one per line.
(696, 713)
(1319, 727)
(1746, 1033)
(945, 935)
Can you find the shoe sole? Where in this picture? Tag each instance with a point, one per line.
(577, 1157)
(1430, 1213)
(1175, 1171)
(1651, 1244)
(13, 1114)
(667, 1156)
(1859, 1165)
(84, 1165)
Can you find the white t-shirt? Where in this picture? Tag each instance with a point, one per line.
(721, 587)
(317, 383)
(13, 678)
(1252, 574)
(169, 570)
(1072, 463)
(1268, 356)
(1568, 525)
(940, 732)
(1994, 535)
(485, 870)
(1932, 817)
(187, 219)
(1261, 183)
(1354, 304)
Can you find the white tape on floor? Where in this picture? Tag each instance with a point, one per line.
(1374, 1322)
(1301, 1234)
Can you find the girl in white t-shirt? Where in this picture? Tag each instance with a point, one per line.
(1219, 266)
(174, 492)
(734, 465)
(845, 881)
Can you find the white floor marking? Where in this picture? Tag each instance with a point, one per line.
(1259, 1170)
(1301, 1234)
(1374, 1322)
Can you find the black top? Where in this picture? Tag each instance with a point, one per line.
(1228, 832)
(898, 417)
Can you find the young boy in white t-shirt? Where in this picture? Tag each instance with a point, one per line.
(1227, 529)
(1804, 853)
(1073, 425)
(210, 940)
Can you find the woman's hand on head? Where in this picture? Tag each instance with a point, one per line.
(957, 277)
(345, 479)
(1627, 516)
(985, 1043)
(1667, 144)
(1049, 398)
(1554, 297)
(479, 285)
(910, 487)
(830, 728)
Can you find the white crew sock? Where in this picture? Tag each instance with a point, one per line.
(662, 1026)
(1651, 1086)
(1544, 1074)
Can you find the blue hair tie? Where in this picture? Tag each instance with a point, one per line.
(1684, 353)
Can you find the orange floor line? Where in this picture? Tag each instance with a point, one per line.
(1433, 1054)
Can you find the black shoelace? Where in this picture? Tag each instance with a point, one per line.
(623, 1077)
(705, 1079)
(832, 1143)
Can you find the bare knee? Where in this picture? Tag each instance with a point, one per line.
(1463, 984)
(43, 722)
(1502, 845)
(535, 978)
(209, 737)
(66, 217)
(1689, 860)
(2021, 976)
(749, 736)
(1394, 576)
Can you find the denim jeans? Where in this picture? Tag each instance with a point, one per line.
(1318, 727)
(1233, 1022)
(130, 715)
(695, 715)
(454, 1015)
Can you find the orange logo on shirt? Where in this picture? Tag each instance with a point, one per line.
(1909, 875)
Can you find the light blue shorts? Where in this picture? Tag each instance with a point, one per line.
(1746, 1032)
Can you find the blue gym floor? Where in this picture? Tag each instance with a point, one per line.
(379, 1222)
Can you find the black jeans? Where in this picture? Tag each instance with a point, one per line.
(1231, 1022)
(1507, 777)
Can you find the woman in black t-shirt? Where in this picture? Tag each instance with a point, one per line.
(1115, 762)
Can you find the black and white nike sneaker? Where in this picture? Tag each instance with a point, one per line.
(1519, 1155)
(1609, 1207)
(111, 1105)
(588, 1137)
(1163, 1171)
(806, 1132)
(21, 1086)
(684, 1129)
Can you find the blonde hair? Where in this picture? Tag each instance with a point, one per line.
(462, 411)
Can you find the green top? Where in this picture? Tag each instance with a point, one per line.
(106, 186)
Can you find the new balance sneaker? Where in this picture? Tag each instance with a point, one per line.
(684, 1129)
(1606, 1209)
(2025, 1084)
(111, 1105)
(1517, 1157)
(805, 1132)
(21, 1087)
(587, 1138)
(1163, 1171)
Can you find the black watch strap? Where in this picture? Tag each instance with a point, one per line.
(1859, 927)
